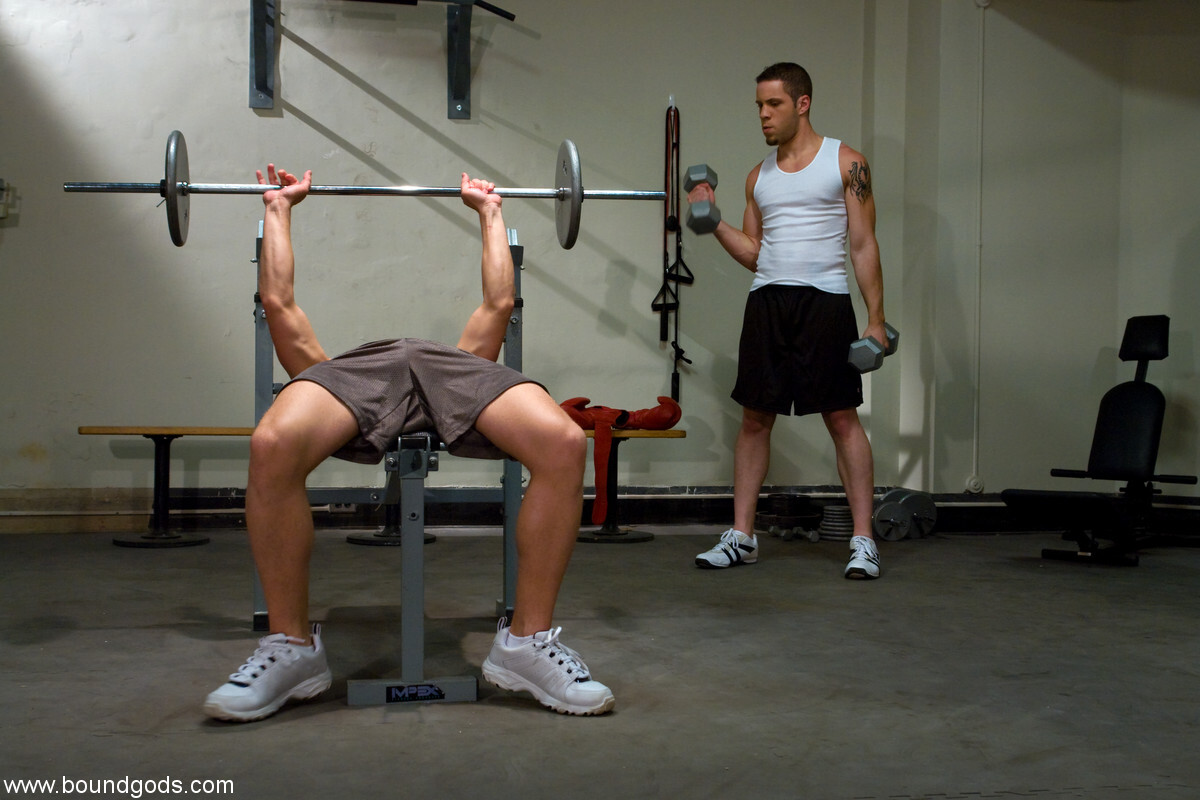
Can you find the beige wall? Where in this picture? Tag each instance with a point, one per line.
(1031, 162)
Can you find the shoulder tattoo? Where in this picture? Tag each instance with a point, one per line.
(860, 180)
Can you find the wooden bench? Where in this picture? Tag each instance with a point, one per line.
(611, 531)
(160, 534)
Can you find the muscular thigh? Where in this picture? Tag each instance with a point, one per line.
(526, 423)
(309, 422)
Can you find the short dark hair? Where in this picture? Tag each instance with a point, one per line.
(796, 81)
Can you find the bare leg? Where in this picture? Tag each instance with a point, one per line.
(751, 458)
(303, 427)
(855, 466)
(527, 424)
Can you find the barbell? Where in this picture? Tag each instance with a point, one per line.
(176, 188)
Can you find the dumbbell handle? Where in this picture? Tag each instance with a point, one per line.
(875, 342)
(893, 340)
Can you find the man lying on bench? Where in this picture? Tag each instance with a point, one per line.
(353, 407)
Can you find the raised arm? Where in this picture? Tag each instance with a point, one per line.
(863, 246)
(487, 325)
(295, 341)
(742, 245)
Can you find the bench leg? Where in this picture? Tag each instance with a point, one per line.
(610, 531)
(160, 534)
(412, 686)
(512, 494)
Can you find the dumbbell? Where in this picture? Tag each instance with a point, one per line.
(703, 215)
(867, 354)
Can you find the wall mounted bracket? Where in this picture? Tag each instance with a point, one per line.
(262, 53)
(263, 15)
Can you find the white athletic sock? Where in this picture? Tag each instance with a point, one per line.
(516, 641)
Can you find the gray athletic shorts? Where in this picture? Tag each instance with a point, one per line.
(407, 385)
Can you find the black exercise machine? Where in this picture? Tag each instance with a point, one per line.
(1124, 448)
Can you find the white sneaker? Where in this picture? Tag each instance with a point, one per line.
(549, 670)
(864, 558)
(282, 668)
(734, 548)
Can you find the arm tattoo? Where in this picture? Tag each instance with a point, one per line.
(860, 180)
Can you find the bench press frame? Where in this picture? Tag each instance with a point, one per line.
(407, 469)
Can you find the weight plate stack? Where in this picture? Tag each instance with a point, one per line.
(836, 524)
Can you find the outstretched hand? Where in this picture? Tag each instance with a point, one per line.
(478, 193)
(294, 189)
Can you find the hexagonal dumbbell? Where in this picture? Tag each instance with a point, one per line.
(867, 354)
(703, 215)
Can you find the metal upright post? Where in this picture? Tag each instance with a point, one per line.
(264, 394)
(511, 478)
(415, 459)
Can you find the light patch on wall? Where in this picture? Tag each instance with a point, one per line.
(35, 452)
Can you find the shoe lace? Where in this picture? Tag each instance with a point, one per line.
(864, 547)
(271, 649)
(568, 660)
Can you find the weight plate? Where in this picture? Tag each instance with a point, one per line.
(895, 495)
(923, 511)
(891, 522)
(568, 205)
(178, 202)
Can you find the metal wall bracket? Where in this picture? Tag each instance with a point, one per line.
(458, 54)
(458, 61)
(262, 53)
(264, 16)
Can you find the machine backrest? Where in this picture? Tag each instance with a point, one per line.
(1128, 427)
(1146, 339)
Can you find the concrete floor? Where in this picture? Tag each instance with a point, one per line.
(973, 669)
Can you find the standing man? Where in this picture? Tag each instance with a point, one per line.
(353, 407)
(804, 202)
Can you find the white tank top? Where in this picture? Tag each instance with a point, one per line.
(804, 223)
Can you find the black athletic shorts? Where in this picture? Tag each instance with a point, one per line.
(409, 385)
(792, 354)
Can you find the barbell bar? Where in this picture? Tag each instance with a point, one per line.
(176, 188)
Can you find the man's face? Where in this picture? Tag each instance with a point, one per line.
(778, 114)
